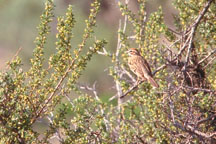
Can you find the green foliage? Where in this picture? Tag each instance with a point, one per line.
(26, 96)
(181, 110)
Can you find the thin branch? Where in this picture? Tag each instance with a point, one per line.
(131, 37)
(57, 133)
(210, 54)
(159, 69)
(184, 46)
(171, 105)
(104, 52)
(69, 99)
(94, 91)
(118, 73)
(189, 48)
(194, 27)
(127, 92)
(199, 89)
(118, 86)
(131, 89)
(171, 45)
(128, 74)
(191, 129)
(210, 62)
(175, 32)
(206, 119)
(16, 54)
(53, 93)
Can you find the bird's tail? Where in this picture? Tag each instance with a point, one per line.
(153, 82)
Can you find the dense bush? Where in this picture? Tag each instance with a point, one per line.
(181, 110)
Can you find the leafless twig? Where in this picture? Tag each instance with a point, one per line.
(94, 91)
(209, 62)
(131, 89)
(206, 119)
(210, 54)
(57, 133)
(104, 52)
(159, 69)
(199, 89)
(193, 30)
(193, 130)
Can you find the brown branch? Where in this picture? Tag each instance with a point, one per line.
(193, 29)
(175, 32)
(210, 54)
(199, 89)
(131, 89)
(206, 119)
(159, 69)
(210, 62)
(199, 133)
(127, 92)
(53, 93)
(183, 48)
(193, 130)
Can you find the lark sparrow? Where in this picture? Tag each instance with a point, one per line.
(139, 66)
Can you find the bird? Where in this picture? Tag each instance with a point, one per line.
(140, 67)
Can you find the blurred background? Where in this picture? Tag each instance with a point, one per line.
(20, 18)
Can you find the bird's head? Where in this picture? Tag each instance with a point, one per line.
(133, 51)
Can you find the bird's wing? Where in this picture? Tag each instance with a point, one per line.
(146, 71)
(145, 66)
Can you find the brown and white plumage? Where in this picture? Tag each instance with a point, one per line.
(140, 67)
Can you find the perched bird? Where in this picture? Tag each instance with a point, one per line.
(139, 66)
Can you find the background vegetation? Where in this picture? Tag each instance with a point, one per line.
(62, 96)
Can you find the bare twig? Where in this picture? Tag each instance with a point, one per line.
(193, 29)
(118, 86)
(94, 91)
(175, 32)
(171, 45)
(128, 74)
(117, 67)
(210, 54)
(171, 105)
(199, 89)
(193, 130)
(104, 52)
(118, 72)
(206, 119)
(159, 69)
(184, 46)
(127, 92)
(57, 133)
(131, 89)
(131, 37)
(209, 62)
